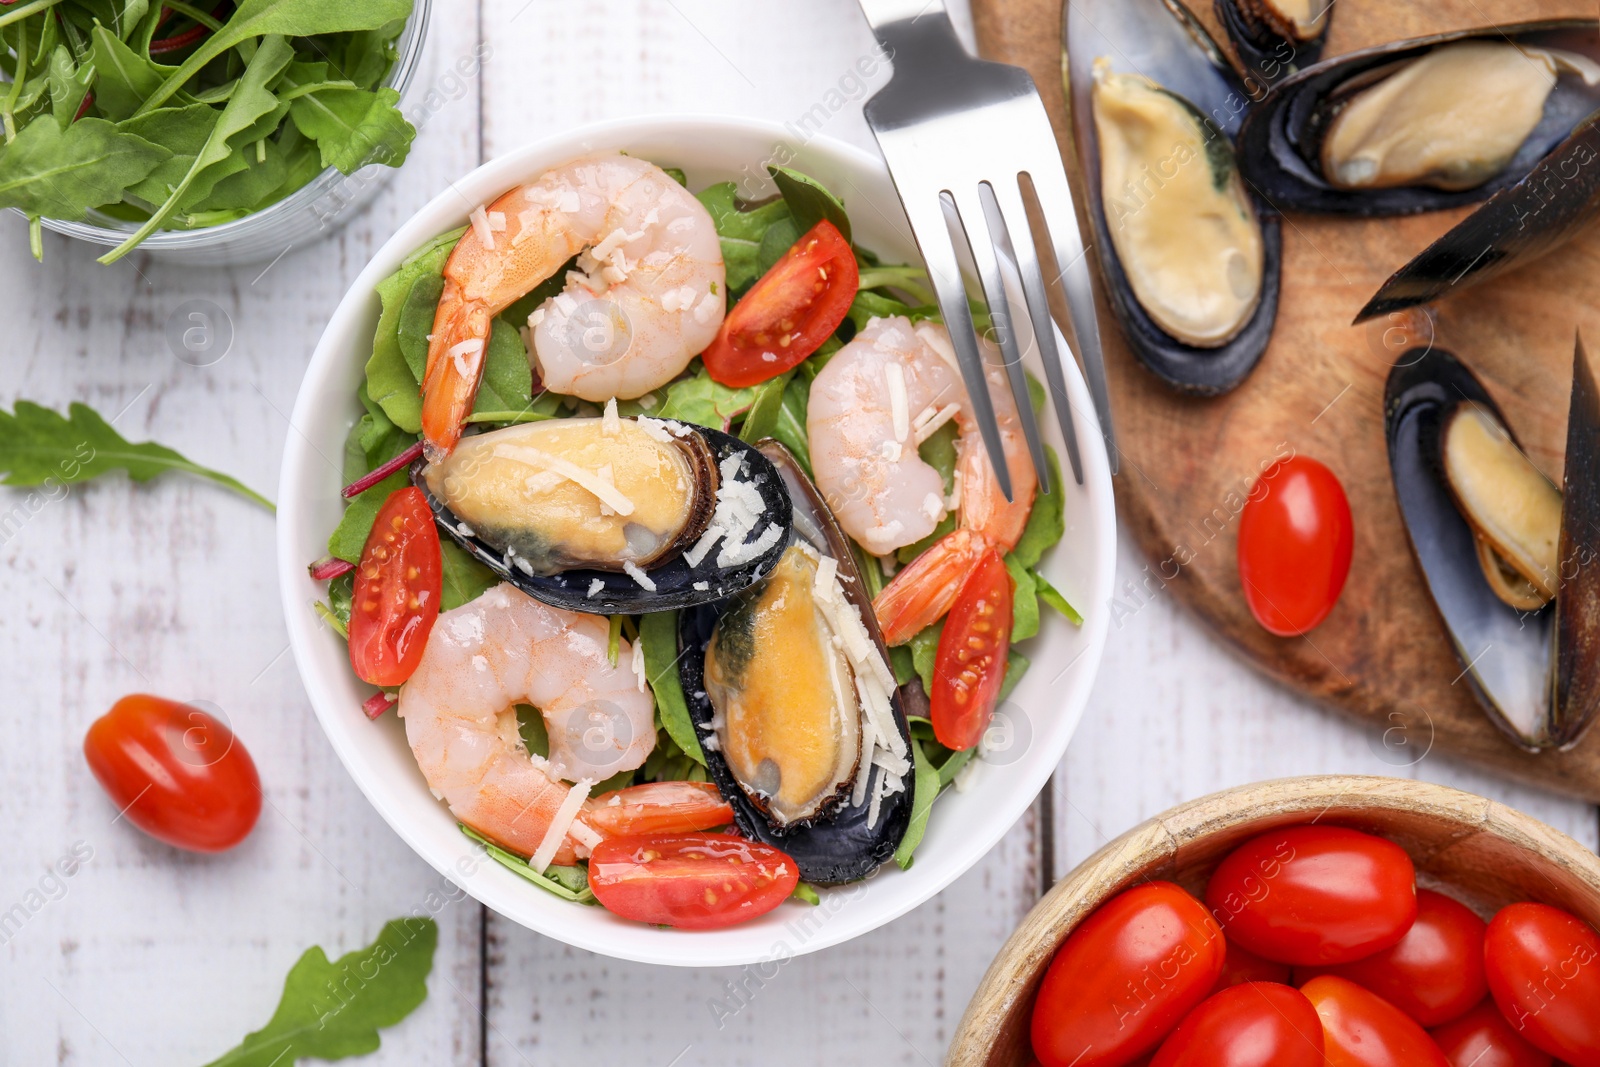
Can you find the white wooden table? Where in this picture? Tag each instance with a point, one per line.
(152, 956)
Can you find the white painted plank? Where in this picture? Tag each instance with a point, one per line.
(151, 956)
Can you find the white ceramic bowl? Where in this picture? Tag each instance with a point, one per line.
(1041, 715)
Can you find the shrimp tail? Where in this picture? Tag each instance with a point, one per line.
(923, 593)
(455, 366)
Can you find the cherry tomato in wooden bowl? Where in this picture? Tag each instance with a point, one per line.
(691, 881)
(1257, 1024)
(397, 588)
(1435, 973)
(658, 808)
(970, 665)
(1295, 541)
(1483, 1038)
(1544, 972)
(177, 773)
(789, 312)
(1125, 978)
(1361, 1029)
(1315, 895)
(1243, 966)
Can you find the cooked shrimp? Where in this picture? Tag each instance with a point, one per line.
(864, 437)
(505, 649)
(647, 297)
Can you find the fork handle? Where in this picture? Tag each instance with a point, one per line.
(883, 13)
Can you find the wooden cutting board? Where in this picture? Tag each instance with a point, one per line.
(1383, 656)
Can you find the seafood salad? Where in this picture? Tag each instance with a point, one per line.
(672, 543)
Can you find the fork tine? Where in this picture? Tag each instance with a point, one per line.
(1055, 202)
(977, 217)
(1008, 199)
(927, 218)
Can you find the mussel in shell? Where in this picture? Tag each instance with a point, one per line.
(1424, 124)
(1274, 37)
(1509, 559)
(1189, 255)
(793, 701)
(610, 515)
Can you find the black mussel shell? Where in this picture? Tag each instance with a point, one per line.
(1547, 208)
(1164, 41)
(838, 846)
(1264, 52)
(1280, 146)
(674, 579)
(1506, 654)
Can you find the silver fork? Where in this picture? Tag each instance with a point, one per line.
(960, 136)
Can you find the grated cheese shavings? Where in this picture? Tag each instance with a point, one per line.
(481, 228)
(557, 832)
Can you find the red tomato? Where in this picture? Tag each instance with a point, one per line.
(1125, 977)
(1295, 539)
(658, 808)
(971, 662)
(691, 881)
(1258, 1024)
(1244, 966)
(178, 774)
(1435, 973)
(1361, 1029)
(1544, 972)
(397, 589)
(1315, 895)
(1483, 1038)
(788, 313)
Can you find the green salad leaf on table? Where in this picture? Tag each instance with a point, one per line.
(174, 116)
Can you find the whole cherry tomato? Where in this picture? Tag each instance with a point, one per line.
(1361, 1029)
(970, 665)
(1315, 895)
(397, 588)
(658, 808)
(1544, 972)
(1435, 973)
(1125, 978)
(1483, 1038)
(788, 313)
(1243, 966)
(691, 881)
(1257, 1024)
(176, 772)
(1295, 541)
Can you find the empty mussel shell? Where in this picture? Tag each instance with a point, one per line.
(1273, 38)
(1477, 517)
(1420, 125)
(1189, 255)
(612, 516)
(791, 696)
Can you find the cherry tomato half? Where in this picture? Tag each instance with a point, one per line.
(1243, 966)
(1257, 1024)
(1125, 978)
(788, 313)
(1315, 895)
(178, 773)
(658, 808)
(691, 881)
(1361, 1029)
(1295, 540)
(1435, 973)
(1544, 972)
(1483, 1038)
(971, 662)
(397, 589)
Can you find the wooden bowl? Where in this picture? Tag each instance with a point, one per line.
(1482, 852)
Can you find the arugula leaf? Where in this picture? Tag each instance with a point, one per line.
(741, 232)
(790, 429)
(924, 647)
(354, 127)
(1052, 596)
(250, 185)
(250, 103)
(1024, 600)
(1045, 522)
(123, 78)
(806, 893)
(557, 880)
(809, 202)
(465, 579)
(1016, 666)
(779, 238)
(62, 173)
(762, 418)
(350, 536)
(925, 790)
(183, 131)
(288, 18)
(507, 380)
(706, 403)
(390, 380)
(331, 1010)
(69, 84)
(38, 445)
(658, 632)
